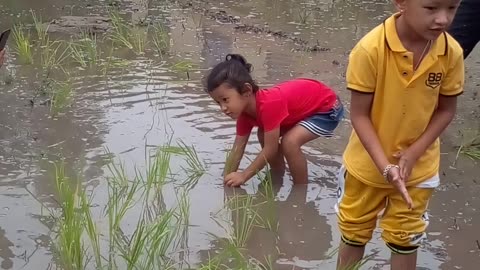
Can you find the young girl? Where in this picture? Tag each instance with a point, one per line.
(288, 115)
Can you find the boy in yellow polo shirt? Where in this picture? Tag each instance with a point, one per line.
(404, 76)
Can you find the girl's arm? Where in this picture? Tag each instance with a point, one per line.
(269, 150)
(360, 107)
(235, 156)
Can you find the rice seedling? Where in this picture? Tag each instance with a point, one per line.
(91, 229)
(61, 94)
(166, 226)
(52, 56)
(155, 238)
(121, 196)
(244, 217)
(228, 160)
(268, 263)
(268, 218)
(40, 28)
(22, 43)
(132, 37)
(139, 39)
(304, 14)
(183, 67)
(212, 264)
(195, 168)
(84, 51)
(183, 207)
(158, 168)
(121, 33)
(473, 152)
(160, 39)
(471, 148)
(69, 244)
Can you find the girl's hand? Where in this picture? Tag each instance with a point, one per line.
(235, 179)
(395, 179)
(406, 161)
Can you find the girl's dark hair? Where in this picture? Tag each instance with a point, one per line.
(234, 71)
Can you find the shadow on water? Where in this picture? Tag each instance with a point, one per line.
(136, 102)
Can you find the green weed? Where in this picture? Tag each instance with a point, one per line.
(61, 94)
(132, 37)
(71, 225)
(304, 14)
(244, 216)
(22, 43)
(120, 30)
(139, 39)
(53, 54)
(85, 51)
(160, 39)
(40, 28)
(471, 148)
(183, 67)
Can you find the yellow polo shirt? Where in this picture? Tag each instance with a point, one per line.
(404, 101)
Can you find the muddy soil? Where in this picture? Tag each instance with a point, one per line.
(77, 24)
(142, 101)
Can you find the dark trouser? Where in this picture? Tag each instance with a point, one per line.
(466, 25)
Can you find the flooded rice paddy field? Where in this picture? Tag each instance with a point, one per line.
(90, 100)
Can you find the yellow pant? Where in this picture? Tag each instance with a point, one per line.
(360, 206)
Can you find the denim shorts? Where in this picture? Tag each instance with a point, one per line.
(323, 124)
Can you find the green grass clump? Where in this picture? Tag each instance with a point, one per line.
(22, 44)
(84, 51)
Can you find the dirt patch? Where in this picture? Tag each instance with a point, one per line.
(76, 24)
(281, 34)
(217, 15)
(222, 16)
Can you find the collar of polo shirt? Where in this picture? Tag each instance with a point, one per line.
(440, 46)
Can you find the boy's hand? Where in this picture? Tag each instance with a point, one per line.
(2, 57)
(235, 179)
(395, 179)
(406, 161)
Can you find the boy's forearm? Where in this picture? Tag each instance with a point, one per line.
(366, 133)
(441, 118)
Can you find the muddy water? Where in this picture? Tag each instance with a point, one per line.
(142, 102)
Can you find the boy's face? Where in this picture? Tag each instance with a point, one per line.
(428, 18)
